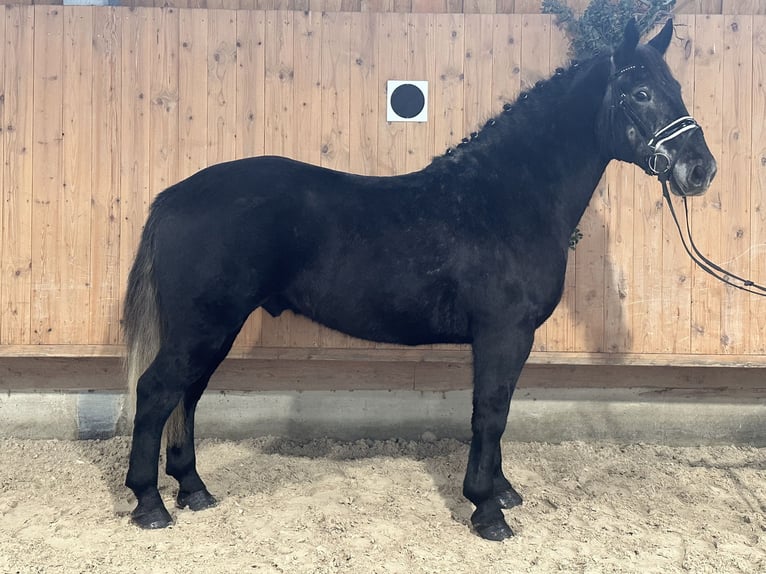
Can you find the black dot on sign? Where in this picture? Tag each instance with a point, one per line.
(407, 101)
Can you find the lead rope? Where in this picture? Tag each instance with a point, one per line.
(703, 262)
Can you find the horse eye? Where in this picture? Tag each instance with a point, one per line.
(642, 96)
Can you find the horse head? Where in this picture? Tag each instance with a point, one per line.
(644, 119)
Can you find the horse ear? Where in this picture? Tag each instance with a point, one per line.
(662, 40)
(623, 54)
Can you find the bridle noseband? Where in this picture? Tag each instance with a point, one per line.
(659, 164)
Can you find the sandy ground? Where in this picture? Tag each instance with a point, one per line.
(385, 507)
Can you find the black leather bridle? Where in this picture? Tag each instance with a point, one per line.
(659, 164)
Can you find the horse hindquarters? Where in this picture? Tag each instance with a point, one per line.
(499, 355)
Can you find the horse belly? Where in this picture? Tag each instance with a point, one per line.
(375, 309)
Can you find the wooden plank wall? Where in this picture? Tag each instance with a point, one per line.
(747, 7)
(103, 107)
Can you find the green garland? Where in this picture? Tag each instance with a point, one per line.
(601, 26)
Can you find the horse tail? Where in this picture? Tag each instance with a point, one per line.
(143, 329)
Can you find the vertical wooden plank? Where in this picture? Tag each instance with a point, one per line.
(46, 182)
(479, 43)
(505, 6)
(420, 66)
(221, 86)
(534, 66)
(479, 6)
(582, 310)
(136, 50)
(392, 65)
(336, 75)
(647, 264)
(376, 6)
(105, 280)
(446, 91)
(5, 277)
(307, 85)
(429, 6)
(528, 6)
(75, 196)
(535, 49)
(676, 265)
(744, 7)
(589, 275)
(562, 323)
(193, 91)
(18, 176)
(392, 59)
(280, 136)
(335, 91)
(560, 56)
(646, 306)
(163, 146)
(506, 60)
(757, 343)
(278, 97)
(709, 7)
(307, 114)
(706, 210)
(250, 83)
(446, 88)
(618, 273)
(735, 179)
(364, 108)
(250, 120)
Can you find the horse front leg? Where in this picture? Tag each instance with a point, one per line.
(499, 356)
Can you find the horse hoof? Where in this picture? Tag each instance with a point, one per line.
(508, 499)
(199, 500)
(152, 520)
(496, 531)
(490, 524)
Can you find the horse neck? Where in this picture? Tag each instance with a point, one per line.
(546, 148)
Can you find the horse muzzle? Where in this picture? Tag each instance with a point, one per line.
(690, 168)
(688, 179)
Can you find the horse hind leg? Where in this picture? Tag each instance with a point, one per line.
(158, 392)
(502, 490)
(176, 378)
(181, 460)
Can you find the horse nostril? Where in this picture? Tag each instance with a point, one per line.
(698, 176)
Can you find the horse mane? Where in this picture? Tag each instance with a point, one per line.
(522, 118)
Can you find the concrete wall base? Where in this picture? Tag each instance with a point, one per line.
(545, 414)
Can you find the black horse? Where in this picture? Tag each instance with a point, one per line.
(471, 249)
